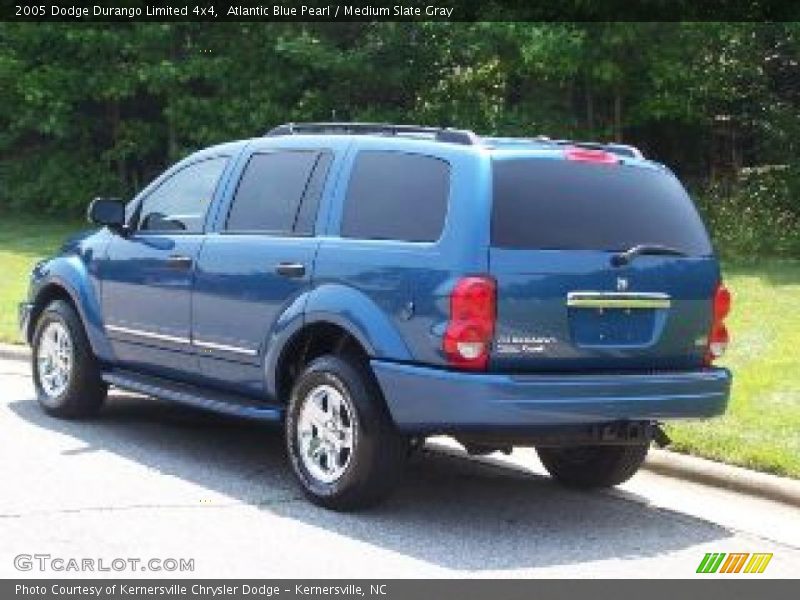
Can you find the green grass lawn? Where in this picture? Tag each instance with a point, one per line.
(761, 429)
(24, 241)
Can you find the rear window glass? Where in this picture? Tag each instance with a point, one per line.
(396, 196)
(558, 204)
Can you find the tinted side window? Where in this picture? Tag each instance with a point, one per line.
(270, 192)
(307, 214)
(180, 203)
(559, 204)
(396, 196)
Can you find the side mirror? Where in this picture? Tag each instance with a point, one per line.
(109, 212)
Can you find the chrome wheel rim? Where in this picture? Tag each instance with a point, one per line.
(54, 359)
(326, 433)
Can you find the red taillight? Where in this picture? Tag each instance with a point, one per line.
(468, 337)
(722, 302)
(589, 155)
(718, 336)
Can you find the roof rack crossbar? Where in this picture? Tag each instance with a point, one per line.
(441, 134)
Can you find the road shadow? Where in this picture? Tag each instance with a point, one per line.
(450, 511)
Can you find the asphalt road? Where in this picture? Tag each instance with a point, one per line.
(152, 480)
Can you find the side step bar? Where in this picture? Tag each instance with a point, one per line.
(220, 402)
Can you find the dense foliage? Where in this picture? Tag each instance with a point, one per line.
(100, 108)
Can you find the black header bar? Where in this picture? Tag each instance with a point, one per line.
(400, 10)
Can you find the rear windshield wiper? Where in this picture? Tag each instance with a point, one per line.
(623, 258)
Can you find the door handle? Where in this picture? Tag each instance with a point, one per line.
(178, 261)
(287, 269)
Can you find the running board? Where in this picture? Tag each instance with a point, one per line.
(183, 393)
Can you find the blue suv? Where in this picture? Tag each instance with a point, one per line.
(371, 285)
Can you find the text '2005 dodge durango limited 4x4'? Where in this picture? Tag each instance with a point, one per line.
(371, 285)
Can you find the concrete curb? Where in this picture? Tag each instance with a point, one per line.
(14, 352)
(737, 479)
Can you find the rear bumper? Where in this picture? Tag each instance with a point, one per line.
(24, 317)
(422, 399)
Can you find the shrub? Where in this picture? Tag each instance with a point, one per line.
(54, 182)
(756, 215)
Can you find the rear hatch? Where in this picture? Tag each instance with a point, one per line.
(564, 302)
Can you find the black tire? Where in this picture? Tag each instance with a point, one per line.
(85, 391)
(588, 467)
(378, 452)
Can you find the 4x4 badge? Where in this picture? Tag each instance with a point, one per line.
(622, 284)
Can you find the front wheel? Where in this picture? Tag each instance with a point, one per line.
(341, 443)
(587, 467)
(65, 372)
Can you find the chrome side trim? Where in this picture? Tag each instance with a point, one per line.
(225, 348)
(618, 300)
(181, 340)
(149, 334)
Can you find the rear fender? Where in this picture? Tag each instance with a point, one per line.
(339, 305)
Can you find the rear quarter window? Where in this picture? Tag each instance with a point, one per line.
(559, 204)
(396, 196)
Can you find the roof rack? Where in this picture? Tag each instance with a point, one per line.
(440, 134)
